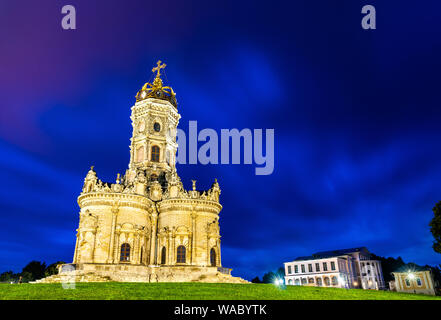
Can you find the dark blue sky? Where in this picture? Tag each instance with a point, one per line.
(356, 115)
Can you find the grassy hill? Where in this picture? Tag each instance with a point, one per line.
(192, 291)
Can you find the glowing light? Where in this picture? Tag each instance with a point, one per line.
(411, 276)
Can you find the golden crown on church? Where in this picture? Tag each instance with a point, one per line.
(156, 89)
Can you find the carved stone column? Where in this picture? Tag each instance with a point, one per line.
(115, 211)
(76, 249)
(190, 248)
(173, 250)
(219, 253)
(153, 240)
(116, 247)
(169, 248)
(94, 244)
(193, 237)
(136, 257)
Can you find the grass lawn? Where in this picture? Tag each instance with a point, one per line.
(192, 291)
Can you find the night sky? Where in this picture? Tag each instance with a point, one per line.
(356, 115)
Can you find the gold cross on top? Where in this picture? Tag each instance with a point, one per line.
(158, 68)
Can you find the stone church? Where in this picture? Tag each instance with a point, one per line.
(145, 226)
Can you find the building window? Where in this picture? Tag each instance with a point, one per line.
(290, 282)
(163, 255)
(332, 265)
(303, 268)
(180, 258)
(289, 270)
(310, 267)
(325, 266)
(327, 282)
(125, 252)
(334, 281)
(297, 282)
(319, 282)
(317, 267)
(155, 154)
(419, 283)
(408, 282)
(213, 257)
(296, 269)
(140, 258)
(304, 281)
(311, 280)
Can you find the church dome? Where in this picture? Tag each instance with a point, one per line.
(156, 89)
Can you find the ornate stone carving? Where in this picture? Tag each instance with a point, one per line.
(88, 221)
(155, 191)
(90, 181)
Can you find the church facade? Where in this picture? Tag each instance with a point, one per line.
(145, 226)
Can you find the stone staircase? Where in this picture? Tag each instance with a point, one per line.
(74, 276)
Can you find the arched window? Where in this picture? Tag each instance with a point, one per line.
(125, 252)
(408, 282)
(419, 283)
(297, 282)
(311, 280)
(304, 281)
(319, 282)
(213, 257)
(163, 255)
(290, 282)
(155, 154)
(334, 281)
(327, 281)
(180, 257)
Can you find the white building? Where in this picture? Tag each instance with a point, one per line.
(347, 268)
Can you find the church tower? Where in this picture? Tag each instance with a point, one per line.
(154, 120)
(145, 226)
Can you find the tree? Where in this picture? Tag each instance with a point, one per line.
(280, 273)
(35, 269)
(269, 277)
(26, 276)
(435, 227)
(256, 280)
(52, 268)
(8, 276)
